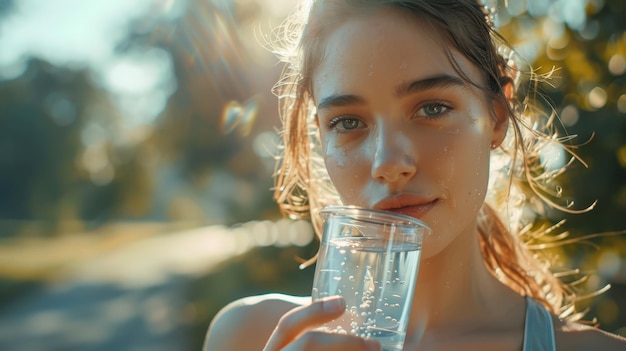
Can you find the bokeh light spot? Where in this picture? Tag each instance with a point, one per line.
(552, 156)
(621, 103)
(590, 31)
(594, 6)
(516, 8)
(617, 64)
(609, 264)
(569, 115)
(265, 145)
(595, 282)
(597, 97)
(559, 42)
(61, 108)
(538, 8)
(103, 176)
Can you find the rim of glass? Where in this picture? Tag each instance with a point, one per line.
(368, 213)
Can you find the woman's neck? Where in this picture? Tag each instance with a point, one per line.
(455, 292)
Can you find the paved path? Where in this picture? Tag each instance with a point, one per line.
(132, 297)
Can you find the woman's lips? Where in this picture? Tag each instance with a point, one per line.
(410, 205)
(416, 211)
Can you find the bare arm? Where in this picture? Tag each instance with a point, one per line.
(247, 324)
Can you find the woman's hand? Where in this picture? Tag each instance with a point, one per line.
(294, 330)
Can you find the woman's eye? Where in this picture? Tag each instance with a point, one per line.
(344, 124)
(433, 110)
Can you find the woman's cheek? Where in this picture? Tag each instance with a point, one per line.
(342, 167)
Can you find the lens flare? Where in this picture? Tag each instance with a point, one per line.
(209, 38)
(240, 117)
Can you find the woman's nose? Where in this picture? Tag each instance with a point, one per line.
(394, 157)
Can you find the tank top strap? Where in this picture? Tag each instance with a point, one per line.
(538, 328)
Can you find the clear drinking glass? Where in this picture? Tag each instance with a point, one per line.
(371, 258)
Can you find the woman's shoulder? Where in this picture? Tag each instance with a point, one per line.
(247, 323)
(576, 336)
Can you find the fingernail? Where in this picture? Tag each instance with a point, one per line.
(333, 304)
(372, 345)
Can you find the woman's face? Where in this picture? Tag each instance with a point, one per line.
(400, 129)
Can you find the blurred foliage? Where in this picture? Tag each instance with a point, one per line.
(63, 162)
(588, 88)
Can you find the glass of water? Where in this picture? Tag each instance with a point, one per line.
(371, 258)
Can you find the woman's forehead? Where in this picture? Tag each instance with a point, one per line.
(388, 45)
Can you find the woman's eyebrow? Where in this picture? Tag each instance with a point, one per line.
(438, 81)
(340, 100)
(403, 89)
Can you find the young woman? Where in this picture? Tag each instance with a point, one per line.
(401, 106)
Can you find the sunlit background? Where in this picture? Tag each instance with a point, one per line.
(137, 144)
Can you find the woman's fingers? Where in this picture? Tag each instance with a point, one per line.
(302, 319)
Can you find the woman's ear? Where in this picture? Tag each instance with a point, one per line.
(502, 114)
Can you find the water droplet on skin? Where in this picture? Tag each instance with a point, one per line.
(454, 131)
